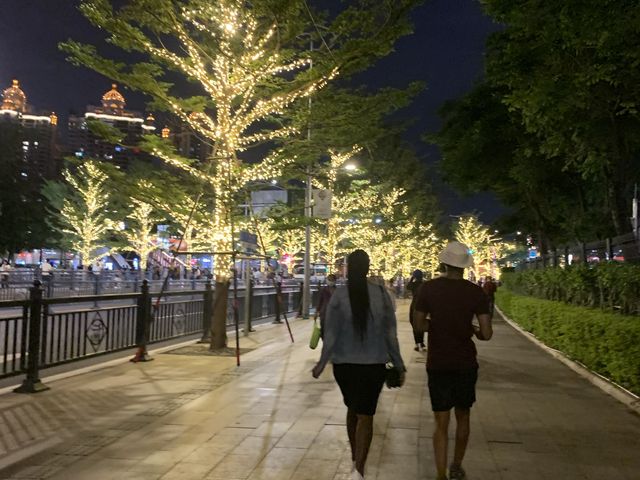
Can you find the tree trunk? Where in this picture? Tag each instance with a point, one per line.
(616, 208)
(219, 320)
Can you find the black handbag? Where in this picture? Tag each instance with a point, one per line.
(392, 376)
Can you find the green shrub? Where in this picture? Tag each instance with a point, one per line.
(606, 343)
(611, 286)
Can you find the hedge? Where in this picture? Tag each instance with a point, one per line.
(610, 286)
(606, 343)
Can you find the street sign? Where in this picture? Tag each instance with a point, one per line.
(322, 203)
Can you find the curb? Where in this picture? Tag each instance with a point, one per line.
(612, 389)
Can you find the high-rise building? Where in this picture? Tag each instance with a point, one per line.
(188, 143)
(85, 143)
(28, 157)
(37, 134)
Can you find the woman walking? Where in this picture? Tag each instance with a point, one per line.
(360, 338)
(416, 282)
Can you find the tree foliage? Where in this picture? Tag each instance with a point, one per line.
(83, 217)
(554, 127)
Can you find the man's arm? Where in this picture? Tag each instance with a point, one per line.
(420, 321)
(485, 330)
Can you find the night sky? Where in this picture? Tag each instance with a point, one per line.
(446, 51)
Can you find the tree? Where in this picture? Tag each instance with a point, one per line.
(486, 148)
(485, 247)
(139, 228)
(83, 218)
(244, 61)
(234, 58)
(572, 72)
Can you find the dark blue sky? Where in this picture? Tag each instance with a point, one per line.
(446, 51)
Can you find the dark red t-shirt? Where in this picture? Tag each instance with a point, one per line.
(451, 305)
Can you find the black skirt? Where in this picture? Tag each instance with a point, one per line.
(360, 385)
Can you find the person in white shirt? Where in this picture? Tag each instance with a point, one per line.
(46, 268)
(4, 274)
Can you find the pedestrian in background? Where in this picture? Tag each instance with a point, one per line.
(360, 338)
(414, 285)
(445, 308)
(489, 288)
(324, 296)
(5, 270)
(391, 292)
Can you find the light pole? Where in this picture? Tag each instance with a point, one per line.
(306, 286)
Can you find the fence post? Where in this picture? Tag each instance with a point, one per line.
(609, 247)
(32, 383)
(143, 323)
(207, 312)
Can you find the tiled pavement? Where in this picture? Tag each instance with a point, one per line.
(188, 417)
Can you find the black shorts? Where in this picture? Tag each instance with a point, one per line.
(452, 388)
(360, 385)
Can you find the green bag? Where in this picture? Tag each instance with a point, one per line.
(315, 335)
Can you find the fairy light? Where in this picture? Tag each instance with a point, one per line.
(231, 75)
(139, 233)
(486, 247)
(83, 218)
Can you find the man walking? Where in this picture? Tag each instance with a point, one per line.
(489, 287)
(445, 309)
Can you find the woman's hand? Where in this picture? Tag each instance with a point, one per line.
(317, 370)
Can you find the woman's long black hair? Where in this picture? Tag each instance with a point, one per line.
(357, 271)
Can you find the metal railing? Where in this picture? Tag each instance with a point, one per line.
(625, 248)
(74, 284)
(41, 332)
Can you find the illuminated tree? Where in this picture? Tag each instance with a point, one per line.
(485, 247)
(83, 216)
(235, 60)
(139, 229)
(332, 235)
(267, 236)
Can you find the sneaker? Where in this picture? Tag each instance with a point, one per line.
(355, 475)
(457, 473)
(423, 347)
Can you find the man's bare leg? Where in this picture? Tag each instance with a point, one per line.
(440, 442)
(462, 435)
(364, 435)
(352, 423)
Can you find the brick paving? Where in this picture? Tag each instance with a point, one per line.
(196, 417)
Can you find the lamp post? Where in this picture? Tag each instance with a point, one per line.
(306, 286)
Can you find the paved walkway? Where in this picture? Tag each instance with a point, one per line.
(186, 416)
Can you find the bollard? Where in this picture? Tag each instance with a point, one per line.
(143, 324)
(248, 293)
(207, 312)
(32, 383)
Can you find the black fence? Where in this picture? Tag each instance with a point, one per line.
(625, 248)
(42, 332)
